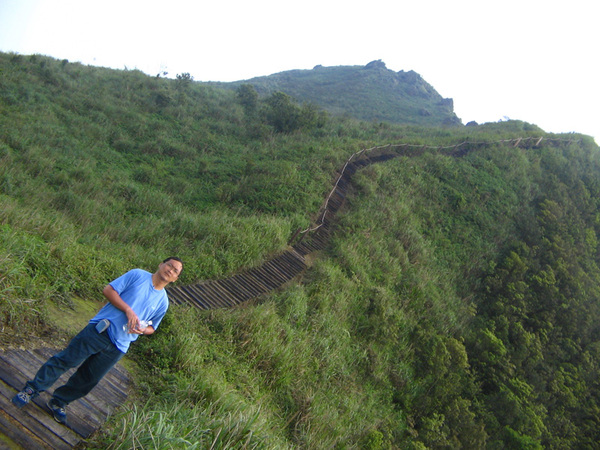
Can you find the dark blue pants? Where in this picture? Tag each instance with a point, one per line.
(96, 354)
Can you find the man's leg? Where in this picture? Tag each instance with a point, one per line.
(86, 343)
(84, 379)
(88, 375)
(80, 347)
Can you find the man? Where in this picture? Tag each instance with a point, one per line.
(134, 299)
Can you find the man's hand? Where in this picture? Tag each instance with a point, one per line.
(137, 328)
(133, 322)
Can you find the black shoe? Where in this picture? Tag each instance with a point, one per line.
(57, 411)
(23, 397)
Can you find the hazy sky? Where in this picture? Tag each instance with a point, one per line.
(532, 60)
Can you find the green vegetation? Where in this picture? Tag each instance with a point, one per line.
(456, 307)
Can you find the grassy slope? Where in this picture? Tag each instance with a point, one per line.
(372, 348)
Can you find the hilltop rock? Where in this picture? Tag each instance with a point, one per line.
(378, 64)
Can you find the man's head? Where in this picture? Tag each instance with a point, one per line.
(172, 268)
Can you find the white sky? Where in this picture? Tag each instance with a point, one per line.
(532, 60)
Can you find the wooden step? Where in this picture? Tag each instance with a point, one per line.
(33, 426)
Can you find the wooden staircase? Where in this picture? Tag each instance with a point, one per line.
(33, 426)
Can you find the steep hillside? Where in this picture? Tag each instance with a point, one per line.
(456, 305)
(371, 92)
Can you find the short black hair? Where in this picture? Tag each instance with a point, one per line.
(175, 258)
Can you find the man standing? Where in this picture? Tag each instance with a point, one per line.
(137, 302)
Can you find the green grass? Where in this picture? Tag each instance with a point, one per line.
(452, 292)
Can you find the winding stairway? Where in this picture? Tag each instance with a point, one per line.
(33, 427)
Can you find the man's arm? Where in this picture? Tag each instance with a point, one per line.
(132, 319)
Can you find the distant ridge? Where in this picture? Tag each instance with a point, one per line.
(371, 92)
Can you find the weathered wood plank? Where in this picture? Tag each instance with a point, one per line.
(80, 419)
(33, 426)
(37, 423)
(16, 436)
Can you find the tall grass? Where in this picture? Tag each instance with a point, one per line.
(175, 426)
(102, 171)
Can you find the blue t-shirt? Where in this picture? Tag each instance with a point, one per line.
(136, 289)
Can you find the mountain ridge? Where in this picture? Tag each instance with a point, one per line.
(371, 92)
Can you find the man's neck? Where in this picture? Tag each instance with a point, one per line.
(157, 282)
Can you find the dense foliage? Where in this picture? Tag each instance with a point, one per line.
(456, 307)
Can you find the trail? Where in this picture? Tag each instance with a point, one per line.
(275, 273)
(33, 427)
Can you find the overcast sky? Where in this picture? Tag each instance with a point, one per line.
(531, 60)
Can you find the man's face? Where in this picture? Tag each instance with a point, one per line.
(170, 270)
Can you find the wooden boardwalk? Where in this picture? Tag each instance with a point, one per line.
(33, 426)
(272, 274)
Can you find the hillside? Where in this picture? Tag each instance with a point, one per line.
(371, 93)
(455, 306)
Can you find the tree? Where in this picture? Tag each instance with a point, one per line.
(248, 98)
(184, 80)
(282, 113)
